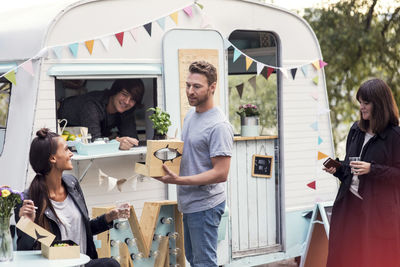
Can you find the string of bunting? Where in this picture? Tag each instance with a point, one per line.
(111, 182)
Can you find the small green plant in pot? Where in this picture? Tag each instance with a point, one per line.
(161, 122)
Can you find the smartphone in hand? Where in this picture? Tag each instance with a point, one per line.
(329, 163)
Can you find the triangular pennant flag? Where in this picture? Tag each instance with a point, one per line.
(11, 77)
(89, 46)
(133, 182)
(266, 72)
(315, 80)
(120, 182)
(320, 140)
(188, 11)
(253, 83)
(28, 67)
(314, 125)
(249, 61)
(58, 51)
(293, 71)
(148, 28)
(304, 69)
(322, 110)
(161, 23)
(102, 177)
(174, 17)
(205, 21)
(112, 182)
(42, 53)
(322, 64)
(134, 33)
(314, 95)
(106, 42)
(321, 155)
(200, 5)
(120, 37)
(227, 44)
(312, 185)
(239, 89)
(236, 54)
(74, 49)
(260, 67)
(284, 72)
(316, 65)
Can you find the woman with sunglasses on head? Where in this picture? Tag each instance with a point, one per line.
(55, 200)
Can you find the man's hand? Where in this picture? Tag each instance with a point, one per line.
(170, 177)
(126, 143)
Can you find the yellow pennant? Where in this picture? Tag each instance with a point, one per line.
(89, 46)
(316, 65)
(11, 77)
(249, 61)
(315, 80)
(322, 155)
(174, 17)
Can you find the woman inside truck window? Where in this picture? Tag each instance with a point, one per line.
(55, 200)
(107, 113)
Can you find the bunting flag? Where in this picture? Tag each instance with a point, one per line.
(188, 11)
(266, 72)
(321, 155)
(174, 17)
(57, 50)
(320, 140)
(315, 80)
(89, 46)
(106, 42)
(312, 185)
(284, 72)
(322, 110)
(227, 44)
(11, 77)
(134, 33)
(304, 69)
(253, 83)
(205, 21)
(28, 67)
(120, 37)
(111, 182)
(236, 54)
(322, 64)
(293, 71)
(199, 5)
(148, 28)
(249, 61)
(161, 23)
(314, 125)
(260, 67)
(239, 89)
(316, 64)
(314, 94)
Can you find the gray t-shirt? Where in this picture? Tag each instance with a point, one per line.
(206, 135)
(72, 227)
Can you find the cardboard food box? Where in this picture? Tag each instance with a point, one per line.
(46, 239)
(168, 152)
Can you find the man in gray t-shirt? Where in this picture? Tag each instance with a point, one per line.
(207, 151)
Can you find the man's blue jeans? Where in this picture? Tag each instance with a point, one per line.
(201, 236)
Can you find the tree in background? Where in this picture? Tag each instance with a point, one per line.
(359, 39)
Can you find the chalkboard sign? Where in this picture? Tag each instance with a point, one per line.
(262, 166)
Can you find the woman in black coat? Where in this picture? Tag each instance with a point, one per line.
(365, 223)
(60, 204)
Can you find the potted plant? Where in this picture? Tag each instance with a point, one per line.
(249, 120)
(161, 122)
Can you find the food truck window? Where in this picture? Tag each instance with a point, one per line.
(261, 46)
(68, 88)
(5, 93)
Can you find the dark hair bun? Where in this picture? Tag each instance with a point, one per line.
(42, 133)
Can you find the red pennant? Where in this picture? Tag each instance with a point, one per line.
(311, 185)
(120, 37)
(266, 72)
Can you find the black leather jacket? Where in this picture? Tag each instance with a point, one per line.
(93, 227)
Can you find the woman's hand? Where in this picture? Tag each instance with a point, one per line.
(331, 170)
(360, 167)
(116, 214)
(126, 143)
(28, 210)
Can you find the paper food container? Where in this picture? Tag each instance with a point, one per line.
(168, 152)
(46, 239)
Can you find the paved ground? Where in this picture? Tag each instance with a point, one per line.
(285, 263)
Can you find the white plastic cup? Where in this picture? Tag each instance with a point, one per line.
(351, 159)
